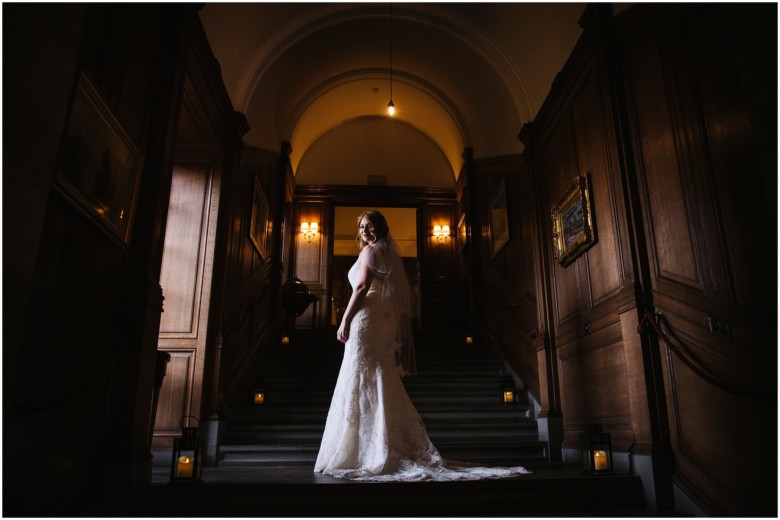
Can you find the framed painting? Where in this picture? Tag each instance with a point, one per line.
(498, 220)
(99, 166)
(573, 231)
(258, 227)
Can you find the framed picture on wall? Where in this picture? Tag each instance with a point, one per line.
(99, 166)
(572, 219)
(258, 227)
(498, 220)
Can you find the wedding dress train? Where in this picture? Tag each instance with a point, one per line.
(373, 431)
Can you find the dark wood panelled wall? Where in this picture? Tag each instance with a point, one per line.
(653, 106)
(81, 332)
(500, 273)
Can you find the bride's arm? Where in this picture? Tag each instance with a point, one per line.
(365, 277)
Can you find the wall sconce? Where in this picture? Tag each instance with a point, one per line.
(309, 230)
(596, 451)
(186, 455)
(441, 233)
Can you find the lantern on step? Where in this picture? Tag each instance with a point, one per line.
(186, 458)
(508, 390)
(596, 451)
(258, 394)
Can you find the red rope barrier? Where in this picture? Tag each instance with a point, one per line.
(649, 319)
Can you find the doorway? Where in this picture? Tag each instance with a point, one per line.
(403, 226)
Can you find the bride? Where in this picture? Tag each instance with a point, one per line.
(373, 431)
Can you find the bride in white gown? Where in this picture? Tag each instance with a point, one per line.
(373, 431)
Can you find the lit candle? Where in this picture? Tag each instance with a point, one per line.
(285, 339)
(509, 396)
(184, 468)
(469, 340)
(600, 460)
(259, 398)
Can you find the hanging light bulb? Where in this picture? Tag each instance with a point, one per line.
(391, 107)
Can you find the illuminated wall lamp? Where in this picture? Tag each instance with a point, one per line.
(310, 230)
(441, 233)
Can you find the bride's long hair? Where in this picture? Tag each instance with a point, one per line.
(381, 229)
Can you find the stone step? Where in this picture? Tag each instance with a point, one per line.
(275, 491)
(313, 433)
(293, 454)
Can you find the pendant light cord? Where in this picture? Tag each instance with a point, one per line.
(391, 51)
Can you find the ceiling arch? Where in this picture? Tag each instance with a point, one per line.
(358, 95)
(464, 75)
(377, 146)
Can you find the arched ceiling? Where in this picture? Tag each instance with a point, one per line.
(318, 75)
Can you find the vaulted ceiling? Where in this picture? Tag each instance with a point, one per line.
(319, 75)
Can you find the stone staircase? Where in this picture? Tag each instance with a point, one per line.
(268, 451)
(456, 392)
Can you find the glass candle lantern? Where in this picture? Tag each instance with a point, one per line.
(508, 390)
(186, 455)
(258, 392)
(596, 451)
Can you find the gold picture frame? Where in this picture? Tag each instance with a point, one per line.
(99, 166)
(573, 231)
(258, 227)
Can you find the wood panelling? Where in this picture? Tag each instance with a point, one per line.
(79, 337)
(186, 282)
(641, 426)
(437, 266)
(657, 119)
(666, 210)
(595, 367)
(199, 242)
(175, 394)
(601, 372)
(595, 156)
(506, 283)
(249, 307)
(557, 173)
(690, 130)
(182, 264)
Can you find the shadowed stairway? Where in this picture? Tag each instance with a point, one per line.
(456, 392)
(268, 450)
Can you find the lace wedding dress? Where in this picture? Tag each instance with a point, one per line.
(373, 431)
